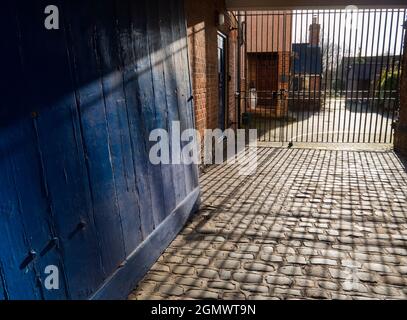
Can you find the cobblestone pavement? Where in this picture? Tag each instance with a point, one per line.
(310, 224)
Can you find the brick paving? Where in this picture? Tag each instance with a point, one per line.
(310, 224)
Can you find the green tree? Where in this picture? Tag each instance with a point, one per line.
(388, 85)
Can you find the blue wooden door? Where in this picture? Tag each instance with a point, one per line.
(77, 189)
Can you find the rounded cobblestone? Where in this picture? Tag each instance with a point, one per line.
(338, 232)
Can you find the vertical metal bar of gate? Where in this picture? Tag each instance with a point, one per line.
(352, 91)
(298, 79)
(312, 80)
(374, 91)
(346, 73)
(342, 90)
(261, 120)
(318, 80)
(370, 89)
(333, 72)
(326, 77)
(291, 96)
(268, 65)
(302, 74)
(315, 109)
(308, 135)
(335, 131)
(271, 65)
(383, 94)
(358, 106)
(364, 73)
(255, 67)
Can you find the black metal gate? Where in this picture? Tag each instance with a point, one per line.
(320, 75)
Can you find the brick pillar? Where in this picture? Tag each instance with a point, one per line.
(400, 134)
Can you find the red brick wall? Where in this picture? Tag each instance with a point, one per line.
(400, 138)
(265, 31)
(202, 42)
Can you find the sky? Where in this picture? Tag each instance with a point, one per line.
(371, 32)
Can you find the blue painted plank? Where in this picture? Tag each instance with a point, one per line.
(184, 92)
(194, 178)
(169, 39)
(163, 107)
(81, 17)
(118, 124)
(132, 30)
(148, 109)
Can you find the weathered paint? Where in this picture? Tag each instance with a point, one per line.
(76, 187)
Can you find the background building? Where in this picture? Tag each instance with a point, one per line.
(266, 60)
(307, 66)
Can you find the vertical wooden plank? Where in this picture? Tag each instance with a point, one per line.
(157, 53)
(168, 39)
(188, 86)
(132, 29)
(185, 104)
(148, 112)
(182, 112)
(91, 103)
(111, 70)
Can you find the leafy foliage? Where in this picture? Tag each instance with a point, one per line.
(388, 84)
